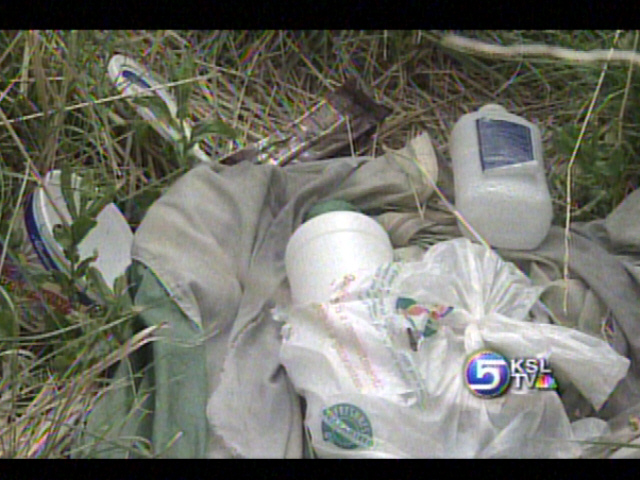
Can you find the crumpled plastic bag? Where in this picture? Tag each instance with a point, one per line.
(381, 364)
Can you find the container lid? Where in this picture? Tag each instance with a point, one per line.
(329, 206)
(111, 237)
(493, 108)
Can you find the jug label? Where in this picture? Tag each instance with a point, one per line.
(503, 143)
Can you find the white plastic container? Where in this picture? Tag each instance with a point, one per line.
(499, 178)
(111, 237)
(330, 246)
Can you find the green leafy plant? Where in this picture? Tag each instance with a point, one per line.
(82, 282)
(604, 168)
(83, 210)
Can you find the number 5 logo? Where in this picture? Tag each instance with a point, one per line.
(487, 374)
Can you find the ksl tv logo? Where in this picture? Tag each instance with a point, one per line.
(489, 374)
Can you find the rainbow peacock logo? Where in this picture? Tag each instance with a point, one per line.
(546, 382)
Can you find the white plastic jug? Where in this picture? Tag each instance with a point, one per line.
(328, 247)
(499, 178)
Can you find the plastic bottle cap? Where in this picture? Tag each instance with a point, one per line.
(492, 108)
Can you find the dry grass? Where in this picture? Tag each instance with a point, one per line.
(61, 108)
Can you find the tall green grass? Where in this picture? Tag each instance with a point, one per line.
(62, 111)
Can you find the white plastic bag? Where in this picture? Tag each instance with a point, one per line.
(382, 364)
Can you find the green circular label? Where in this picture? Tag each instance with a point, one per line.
(346, 426)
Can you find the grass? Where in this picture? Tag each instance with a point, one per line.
(58, 108)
